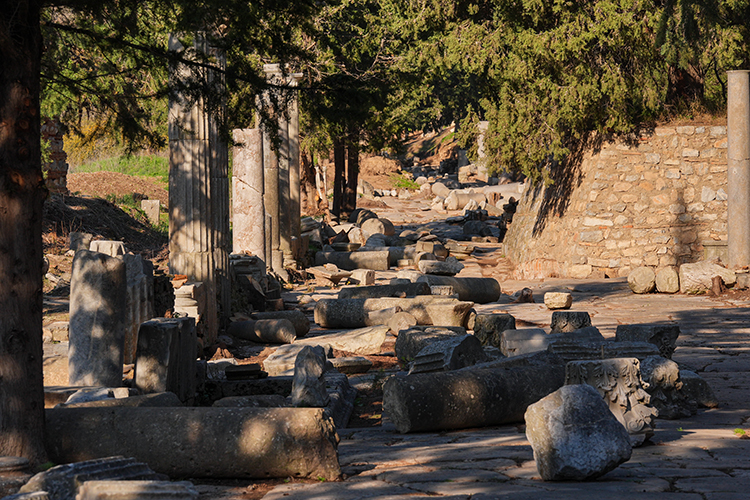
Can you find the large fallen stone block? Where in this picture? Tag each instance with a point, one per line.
(558, 300)
(566, 321)
(377, 261)
(158, 399)
(453, 314)
(668, 280)
(489, 327)
(697, 277)
(298, 319)
(281, 362)
(375, 291)
(447, 267)
(352, 313)
(523, 341)
(273, 331)
(470, 397)
(378, 225)
(479, 290)
(363, 341)
(411, 341)
(201, 442)
(308, 385)
(662, 336)
(98, 291)
(619, 383)
(663, 384)
(642, 280)
(695, 388)
(142, 490)
(571, 349)
(574, 435)
(456, 200)
(449, 354)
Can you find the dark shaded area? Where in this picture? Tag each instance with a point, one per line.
(64, 214)
(565, 176)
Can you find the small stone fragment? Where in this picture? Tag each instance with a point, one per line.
(558, 300)
(642, 280)
(667, 280)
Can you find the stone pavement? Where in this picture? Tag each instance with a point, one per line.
(698, 458)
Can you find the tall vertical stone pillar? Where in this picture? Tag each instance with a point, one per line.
(738, 162)
(249, 228)
(294, 170)
(199, 195)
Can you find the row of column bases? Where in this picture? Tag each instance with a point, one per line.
(266, 189)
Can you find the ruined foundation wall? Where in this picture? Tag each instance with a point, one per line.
(659, 202)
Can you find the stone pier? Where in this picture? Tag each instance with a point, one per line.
(738, 163)
(199, 196)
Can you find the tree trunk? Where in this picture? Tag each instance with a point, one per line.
(308, 201)
(338, 177)
(352, 174)
(22, 194)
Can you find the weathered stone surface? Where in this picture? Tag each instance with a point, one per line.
(451, 314)
(479, 290)
(308, 386)
(558, 300)
(351, 364)
(108, 247)
(618, 381)
(642, 280)
(401, 321)
(281, 362)
(79, 241)
(434, 247)
(98, 287)
(362, 277)
(411, 341)
(662, 336)
(516, 342)
(448, 354)
(698, 277)
(362, 341)
(448, 267)
(574, 435)
(456, 200)
(378, 225)
(213, 390)
(256, 401)
(141, 490)
(274, 331)
(59, 331)
(668, 280)
(221, 442)
(62, 481)
(489, 327)
(571, 349)
(381, 317)
(375, 260)
(662, 377)
(352, 313)
(400, 290)
(695, 388)
(159, 399)
(298, 319)
(567, 321)
(470, 397)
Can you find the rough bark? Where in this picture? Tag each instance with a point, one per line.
(22, 193)
(309, 199)
(339, 159)
(352, 174)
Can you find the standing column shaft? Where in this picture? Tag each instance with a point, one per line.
(249, 228)
(294, 168)
(285, 207)
(738, 162)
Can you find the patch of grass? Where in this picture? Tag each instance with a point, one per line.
(739, 432)
(401, 182)
(141, 165)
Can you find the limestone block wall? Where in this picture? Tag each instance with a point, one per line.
(658, 202)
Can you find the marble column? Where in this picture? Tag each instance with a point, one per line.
(738, 163)
(294, 171)
(249, 228)
(199, 195)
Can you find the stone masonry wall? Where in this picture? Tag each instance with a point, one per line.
(658, 203)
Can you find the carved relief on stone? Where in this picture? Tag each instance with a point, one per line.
(662, 336)
(664, 385)
(619, 382)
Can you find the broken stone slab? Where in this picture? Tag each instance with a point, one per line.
(456, 200)
(352, 313)
(401, 321)
(642, 280)
(662, 336)
(142, 490)
(362, 341)
(574, 435)
(524, 341)
(454, 314)
(108, 247)
(62, 481)
(662, 377)
(567, 321)
(470, 397)
(328, 275)
(375, 291)
(297, 317)
(434, 247)
(257, 401)
(362, 277)
(221, 442)
(272, 331)
(619, 383)
(98, 286)
(351, 364)
(361, 259)
(489, 327)
(342, 396)
(281, 362)
(695, 388)
(79, 241)
(381, 317)
(411, 341)
(448, 267)
(308, 385)
(697, 277)
(571, 349)
(668, 280)
(479, 290)
(449, 354)
(158, 399)
(378, 225)
(558, 300)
